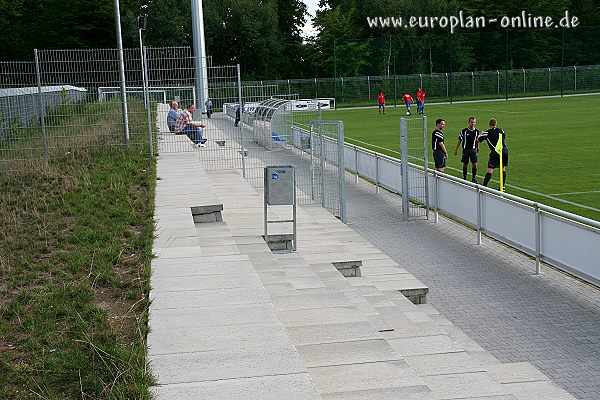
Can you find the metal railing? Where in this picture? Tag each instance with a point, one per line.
(565, 240)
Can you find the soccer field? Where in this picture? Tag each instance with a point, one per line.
(553, 142)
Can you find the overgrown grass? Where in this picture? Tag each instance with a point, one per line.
(75, 251)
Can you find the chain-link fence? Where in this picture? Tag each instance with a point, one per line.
(460, 66)
(454, 86)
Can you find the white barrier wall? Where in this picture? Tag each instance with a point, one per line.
(566, 240)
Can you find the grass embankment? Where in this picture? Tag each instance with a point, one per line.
(75, 251)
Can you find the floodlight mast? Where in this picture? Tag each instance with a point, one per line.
(122, 74)
(201, 81)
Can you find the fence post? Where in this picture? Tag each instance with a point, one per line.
(523, 80)
(435, 186)
(122, 75)
(426, 165)
(243, 149)
(316, 90)
(369, 87)
(356, 163)
(447, 92)
(421, 77)
(147, 96)
(342, 171)
(41, 104)
(478, 215)
(575, 70)
(376, 173)
(549, 81)
(404, 165)
(498, 73)
(289, 88)
(538, 268)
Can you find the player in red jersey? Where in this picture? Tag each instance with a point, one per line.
(421, 101)
(407, 98)
(381, 102)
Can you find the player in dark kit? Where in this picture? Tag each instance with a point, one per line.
(468, 137)
(492, 136)
(440, 154)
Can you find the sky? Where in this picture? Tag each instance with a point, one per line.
(312, 6)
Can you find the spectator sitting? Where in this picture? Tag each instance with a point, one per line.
(237, 115)
(172, 116)
(209, 106)
(186, 125)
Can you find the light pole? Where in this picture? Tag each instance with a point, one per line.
(142, 27)
(122, 74)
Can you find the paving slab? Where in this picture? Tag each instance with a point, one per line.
(276, 387)
(226, 364)
(404, 393)
(204, 298)
(546, 390)
(456, 386)
(515, 372)
(323, 316)
(444, 364)
(229, 337)
(363, 351)
(332, 333)
(200, 267)
(221, 315)
(367, 376)
(412, 346)
(206, 282)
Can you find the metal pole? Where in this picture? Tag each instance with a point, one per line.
(41, 104)
(523, 80)
(562, 64)
(144, 85)
(506, 69)
(426, 159)
(549, 81)
(243, 148)
(334, 72)
(421, 78)
(435, 185)
(575, 70)
(144, 58)
(312, 168)
(478, 215)
(295, 236)
(122, 75)
(538, 268)
(473, 82)
(201, 82)
(342, 172)
(322, 164)
(447, 90)
(356, 163)
(498, 72)
(404, 166)
(376, 172)
(369, 87)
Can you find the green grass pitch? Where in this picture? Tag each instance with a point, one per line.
(554, 144)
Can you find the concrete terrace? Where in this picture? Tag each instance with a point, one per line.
(232, 320)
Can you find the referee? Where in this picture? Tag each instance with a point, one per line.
(440, 154)
(468, 137)
(491, 136)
